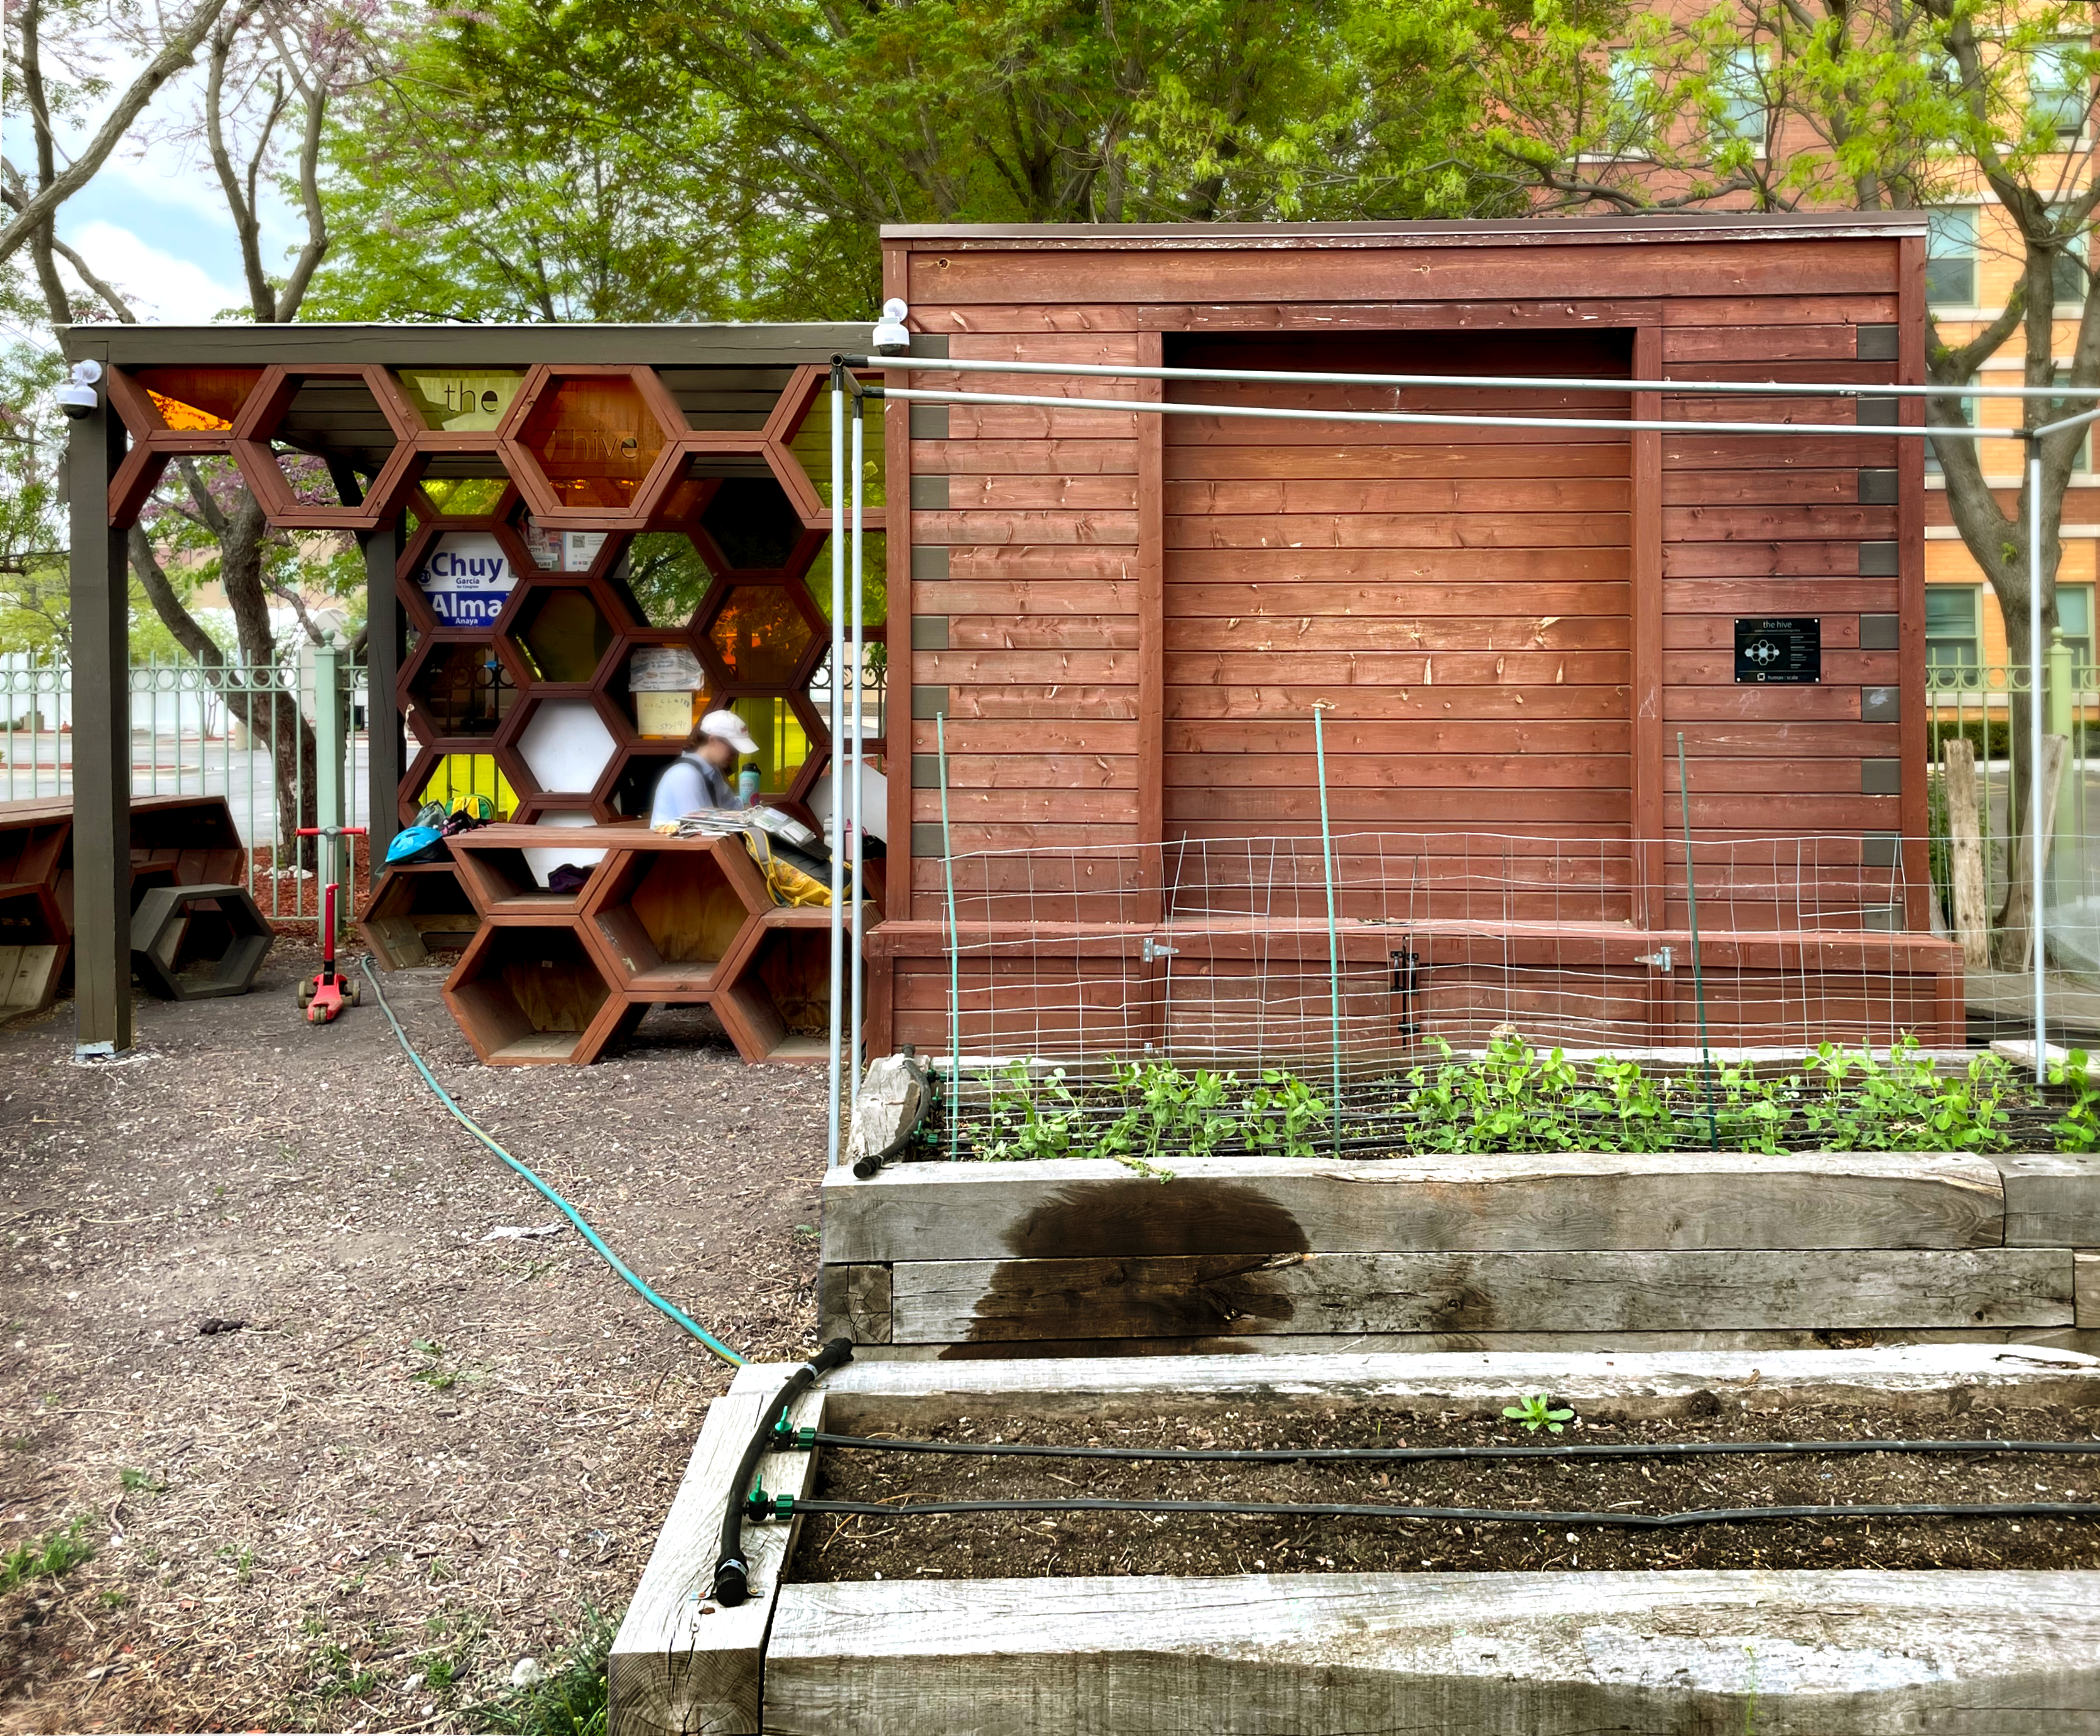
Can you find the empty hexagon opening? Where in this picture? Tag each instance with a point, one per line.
(760, 636)
(564, 635)
(873, 692)
(811, 447)
(566, 745)
(462, 690)
(593, 439)
(527, 994)
(781, 996)
(416, 910)
(874, 579)
(665, 576)
(461, 400)
(336, 414)
(192, 943)
(669, 917)
(753, 522)
(198, 400)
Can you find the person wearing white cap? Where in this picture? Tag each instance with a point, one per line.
(699, 777)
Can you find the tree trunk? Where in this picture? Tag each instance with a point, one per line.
(274, 716)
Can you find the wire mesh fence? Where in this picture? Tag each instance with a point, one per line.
(249, 732)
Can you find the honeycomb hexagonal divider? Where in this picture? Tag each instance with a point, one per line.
(456, 691)
(498, 877)
(773, 994)
(621, 437)
(559, 746)
(177, 929)
(537, 633)
(663, 914)
(413, 908)
(164, 425)
(261, 417)
(798, 446)
(534, 993)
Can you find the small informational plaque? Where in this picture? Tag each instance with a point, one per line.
(1782, 648)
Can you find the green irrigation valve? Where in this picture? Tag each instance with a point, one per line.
(789, 1438)
(758, 1505)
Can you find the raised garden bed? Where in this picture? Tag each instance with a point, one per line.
(1052, 1623)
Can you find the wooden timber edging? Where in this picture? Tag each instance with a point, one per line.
(1861, 1652)
(1066, 1256)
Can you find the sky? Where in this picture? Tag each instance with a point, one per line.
(153, 224)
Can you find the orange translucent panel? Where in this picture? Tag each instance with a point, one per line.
(760, 635)
(594, 440)
(198, 400)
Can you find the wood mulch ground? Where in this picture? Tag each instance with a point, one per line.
(1023, 1545)
(424, 1452)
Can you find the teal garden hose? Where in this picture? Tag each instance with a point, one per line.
(560, 1205)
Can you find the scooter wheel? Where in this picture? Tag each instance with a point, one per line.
(314, 1016)
(306, 990)
(349, 992)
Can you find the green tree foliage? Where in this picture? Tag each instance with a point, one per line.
(734, 157)
(1871, 104)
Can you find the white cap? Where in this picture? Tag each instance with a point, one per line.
(728, 727)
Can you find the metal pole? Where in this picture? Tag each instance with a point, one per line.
(838, 802)
(1698, 974)
(859, 744)
(1334, 941)
(955, 966)
(2034, 754)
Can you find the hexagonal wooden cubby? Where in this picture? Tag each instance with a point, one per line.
(198, 943)
(34, 943)
(559, 634)
(534, 994)
(415, 907)
(369, 429)
(498, 875)
(663, 916)
(773, 993)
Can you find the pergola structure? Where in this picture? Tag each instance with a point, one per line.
(643, 487)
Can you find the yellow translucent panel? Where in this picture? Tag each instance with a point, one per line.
(783, 745)
(460, 775)
(465, 496)
(874, 578)
(812, 448)
(462, 400)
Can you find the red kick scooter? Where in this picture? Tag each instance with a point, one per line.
(323, 995)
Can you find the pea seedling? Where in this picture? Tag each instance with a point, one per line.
(1537, 1413)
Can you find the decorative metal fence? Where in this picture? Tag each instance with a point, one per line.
(261, 735)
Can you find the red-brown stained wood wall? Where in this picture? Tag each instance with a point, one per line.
(1393, 574)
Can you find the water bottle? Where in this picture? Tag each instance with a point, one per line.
(747, 785)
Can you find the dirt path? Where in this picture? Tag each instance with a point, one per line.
(425, 1451)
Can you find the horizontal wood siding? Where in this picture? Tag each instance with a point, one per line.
(1474, 661)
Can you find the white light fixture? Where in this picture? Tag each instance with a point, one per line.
(78, 397)
(890, 338)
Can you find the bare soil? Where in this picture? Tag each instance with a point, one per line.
(423, 1452)
(1031, 1545)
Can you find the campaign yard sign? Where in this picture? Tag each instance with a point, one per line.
(466, 579)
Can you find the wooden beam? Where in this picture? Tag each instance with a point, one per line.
(1972, 915)
(101, 610)
(2052, 1198)
(1870, 1654)
(1223, 1205)
(682, 1663)
(453, 346)
(384, 756)
(1255, 1294)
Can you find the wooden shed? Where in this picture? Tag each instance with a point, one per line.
(1121, 624)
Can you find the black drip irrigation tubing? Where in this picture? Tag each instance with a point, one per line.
(1418, 1455)
(784, 1507)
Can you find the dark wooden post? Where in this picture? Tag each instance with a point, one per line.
(101, 741)
(382, 665)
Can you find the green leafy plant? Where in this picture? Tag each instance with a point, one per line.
(2078, 1130)
(1536, 1411)
(52, 1559)
(137, 1481)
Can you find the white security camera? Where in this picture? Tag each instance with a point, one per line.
(890, 338)
(78, 397)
